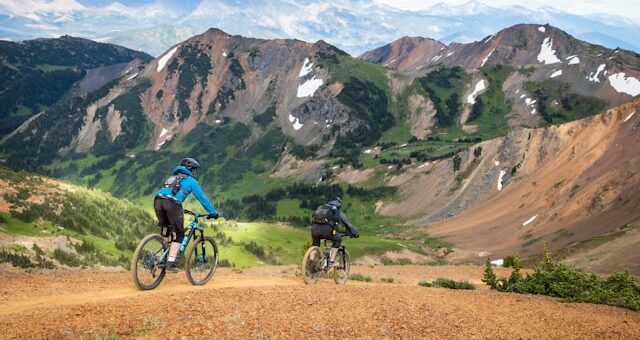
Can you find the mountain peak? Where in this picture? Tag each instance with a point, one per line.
(216, 31)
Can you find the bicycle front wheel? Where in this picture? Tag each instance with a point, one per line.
(201, 260)
(311, 261)
(145, 269)
(341, 273)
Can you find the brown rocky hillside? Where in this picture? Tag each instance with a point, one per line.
(563, 185)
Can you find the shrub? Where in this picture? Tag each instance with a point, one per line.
(360, 277)
(559, 280)
(16, 260)
(387, 279)
(453, 284)
(400, 261)
(69, 259)
(255, 249)
(512, 261)
(225, 263)
(425, 283)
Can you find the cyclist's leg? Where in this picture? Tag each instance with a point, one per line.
(176, 219)
(161, 213)
(336, 240)
(316, 234)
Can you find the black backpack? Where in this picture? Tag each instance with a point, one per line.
(325, 214)
(173, 183)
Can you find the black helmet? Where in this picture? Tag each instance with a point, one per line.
(336, 201)
(190, 163)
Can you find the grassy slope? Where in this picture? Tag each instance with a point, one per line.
(284, 243)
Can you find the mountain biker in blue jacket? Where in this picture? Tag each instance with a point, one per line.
(168, 204)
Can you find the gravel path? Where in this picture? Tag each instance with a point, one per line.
(271, 302)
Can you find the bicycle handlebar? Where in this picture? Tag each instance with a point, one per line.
(196, 214)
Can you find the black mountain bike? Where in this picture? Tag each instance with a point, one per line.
(315, 264)
(150, 257)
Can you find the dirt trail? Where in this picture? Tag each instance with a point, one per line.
(271, 302)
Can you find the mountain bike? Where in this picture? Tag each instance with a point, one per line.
(316, 263)
(201, 261)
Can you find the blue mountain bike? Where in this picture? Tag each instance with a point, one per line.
(201, 261)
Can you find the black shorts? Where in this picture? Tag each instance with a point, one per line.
(325, 231)
(169, 212)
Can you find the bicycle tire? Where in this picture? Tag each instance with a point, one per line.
(341, 275)
(309, 274)
(149, 259)
(197, 263)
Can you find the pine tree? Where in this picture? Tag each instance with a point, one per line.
(489, 276)
(548, 263)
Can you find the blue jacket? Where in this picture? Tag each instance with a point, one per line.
(187, 186)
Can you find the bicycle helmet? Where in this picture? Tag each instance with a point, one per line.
(190, 163)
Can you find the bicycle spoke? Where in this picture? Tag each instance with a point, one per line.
(202, 261)
(145, 265)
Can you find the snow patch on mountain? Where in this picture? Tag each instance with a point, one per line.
(471, 99)
(629, 116)
(542, 29)
(556, 73)
(500, 183)
(309, 87)
(295, 122)
(306, 68)
(529, 220)
(163, 61)
(498, 262)
(487, 57)
(573, 60)
(593, 76)
(547, 54)
(622, 84)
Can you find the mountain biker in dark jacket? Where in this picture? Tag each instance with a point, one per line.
(168, 204)
(328, 230)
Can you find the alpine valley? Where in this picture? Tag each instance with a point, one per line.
(442, 153)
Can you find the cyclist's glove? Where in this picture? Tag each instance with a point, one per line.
(214, 216)
(355, 234)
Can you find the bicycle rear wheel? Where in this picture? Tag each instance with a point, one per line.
(201, 260)
(144, 265)
(341, 274)
(311, 263)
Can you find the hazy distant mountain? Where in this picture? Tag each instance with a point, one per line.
(354, 26)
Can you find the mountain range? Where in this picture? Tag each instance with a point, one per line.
(493, 146)
(351, 25)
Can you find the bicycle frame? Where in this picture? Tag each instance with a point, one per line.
(190, 231)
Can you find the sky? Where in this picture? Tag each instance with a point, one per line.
(625, 8)
(352, 25)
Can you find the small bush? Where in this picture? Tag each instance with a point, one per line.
(511, 261)
(453, 284)
(69, 259)
(425, 283)
(387, 279)
(400, 261)
(360, 277)
(225, 263)
(16, 260)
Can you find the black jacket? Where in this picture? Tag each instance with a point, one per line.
(341, 218)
